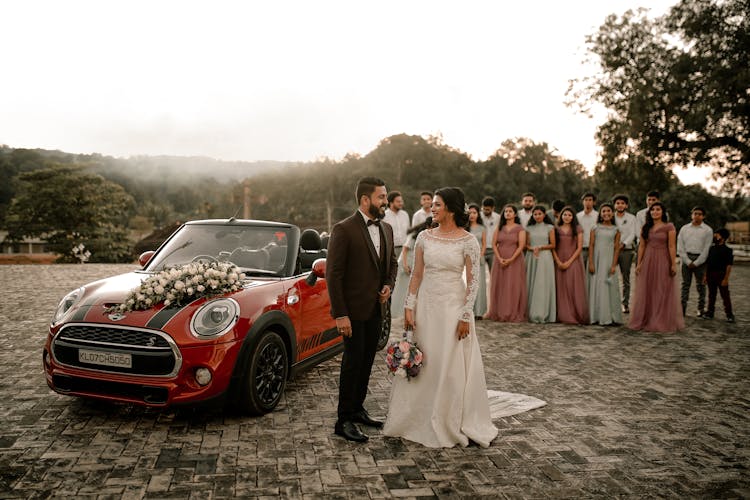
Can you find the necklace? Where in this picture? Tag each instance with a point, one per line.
(447, 233)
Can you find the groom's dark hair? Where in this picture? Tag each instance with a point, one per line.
(366, 186)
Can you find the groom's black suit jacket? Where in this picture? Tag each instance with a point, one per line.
(354, 272)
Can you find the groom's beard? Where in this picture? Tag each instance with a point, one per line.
(377, 213)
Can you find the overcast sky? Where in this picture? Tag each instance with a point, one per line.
(294, 80)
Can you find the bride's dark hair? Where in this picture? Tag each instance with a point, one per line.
(453, 198)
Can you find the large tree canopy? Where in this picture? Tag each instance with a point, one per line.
(677, 89)
(67, 207)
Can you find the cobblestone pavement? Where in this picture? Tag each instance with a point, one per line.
(628, 415)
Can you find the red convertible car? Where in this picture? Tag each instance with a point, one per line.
(180, 344)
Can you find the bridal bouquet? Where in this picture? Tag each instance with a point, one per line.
(404, 358)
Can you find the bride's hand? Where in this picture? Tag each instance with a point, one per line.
(463, 330)
(409, 323)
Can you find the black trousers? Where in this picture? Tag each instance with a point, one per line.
(714, 280)
(356, 365)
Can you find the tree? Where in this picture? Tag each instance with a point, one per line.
(66, 206)
(675, 87)
(521, 165)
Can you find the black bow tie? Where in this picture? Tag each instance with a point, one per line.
(370, 222)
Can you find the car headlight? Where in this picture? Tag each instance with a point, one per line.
(66, 303)
(215, 318)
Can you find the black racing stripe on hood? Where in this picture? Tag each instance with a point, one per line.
(81, 313)
(162, 317)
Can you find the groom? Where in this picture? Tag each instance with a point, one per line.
(360, 272)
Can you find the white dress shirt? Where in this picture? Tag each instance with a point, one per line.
(374, 231)
(696, 240)
(399, 221)
(627, 226)
(419, 217)
(490, 225)
(587, 222)
(525, 216)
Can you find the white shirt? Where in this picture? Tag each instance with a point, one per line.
(491, 223)
(525, 216)
(419, 217)
(640, 221)
(374, 232)
(399, 221)
(694, 239)
(627, 226)
(587, 222)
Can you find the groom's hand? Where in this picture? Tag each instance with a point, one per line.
(344, 326)
(384, 294)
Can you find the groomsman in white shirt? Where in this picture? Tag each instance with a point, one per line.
(396, 216)
(425, 200)
(528, 200)
(587, 219)
(693, 243)
(491, 221)
(626, 223)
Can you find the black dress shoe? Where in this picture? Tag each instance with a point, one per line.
(364, 418)
(349, 431)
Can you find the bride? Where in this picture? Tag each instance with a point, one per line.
(446, 404)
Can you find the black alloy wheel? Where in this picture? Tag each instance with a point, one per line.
(265, 378)
(385, 328)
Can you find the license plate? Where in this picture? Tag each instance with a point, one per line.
(105, 358)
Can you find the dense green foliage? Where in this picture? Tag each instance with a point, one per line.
(69, 199)
(67, 207)
(676, 92)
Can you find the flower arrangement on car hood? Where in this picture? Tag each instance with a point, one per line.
(175, 285)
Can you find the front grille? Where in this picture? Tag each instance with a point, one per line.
(151, 353)
(114, 336)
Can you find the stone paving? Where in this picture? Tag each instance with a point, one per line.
(629, 415)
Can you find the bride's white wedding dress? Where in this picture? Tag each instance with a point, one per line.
(446, 404)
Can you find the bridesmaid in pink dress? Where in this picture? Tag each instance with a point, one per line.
(572, 304)
(656, 305)
(508, 298)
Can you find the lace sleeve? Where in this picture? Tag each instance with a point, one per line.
(471, 258)
(416, 272)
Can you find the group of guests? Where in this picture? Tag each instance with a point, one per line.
(559, 265)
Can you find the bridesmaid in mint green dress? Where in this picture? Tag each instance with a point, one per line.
(604, 287)
(477, 229)
(540, 267)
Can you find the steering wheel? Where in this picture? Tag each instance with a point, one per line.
(204, 258)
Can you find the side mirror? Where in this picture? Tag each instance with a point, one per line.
(318, 271)
(145, 257)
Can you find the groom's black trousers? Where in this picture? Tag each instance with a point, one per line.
(356, 365)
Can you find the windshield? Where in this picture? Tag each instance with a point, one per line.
(255, 250)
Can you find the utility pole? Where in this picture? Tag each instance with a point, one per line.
(246, 199)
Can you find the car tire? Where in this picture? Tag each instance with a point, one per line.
(265, 377)
(385, 329)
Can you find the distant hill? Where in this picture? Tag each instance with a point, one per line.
(150, 168)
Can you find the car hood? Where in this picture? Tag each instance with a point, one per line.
(102, 295)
